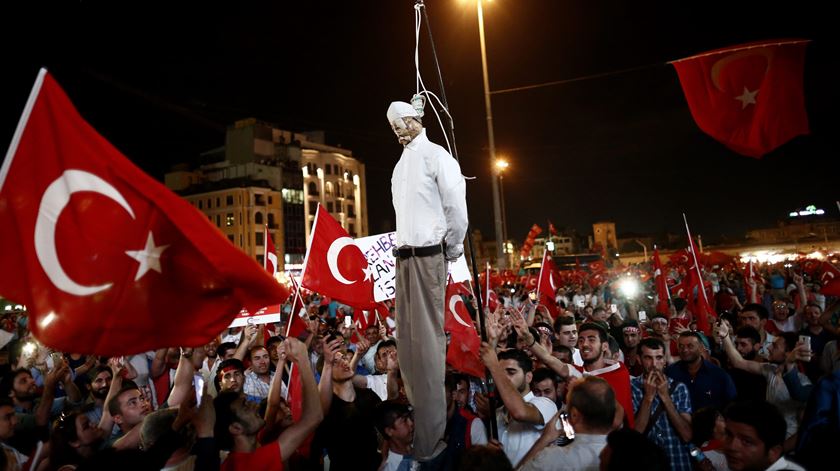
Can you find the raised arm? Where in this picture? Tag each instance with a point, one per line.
(312, 414)
(325, 391)
(249, 337)
(182, 386)
(732, 353)
(513, 401)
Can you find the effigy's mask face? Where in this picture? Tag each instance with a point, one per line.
(406, 129)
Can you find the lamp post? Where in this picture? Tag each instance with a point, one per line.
(501, 165)
(491, 143)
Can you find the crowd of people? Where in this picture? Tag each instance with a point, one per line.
(592, 383)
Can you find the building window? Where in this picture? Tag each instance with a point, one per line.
(350, 212)
(328, 189)
(231, 239)
(313, 189)
(218, 202)
(260, 260)
(313, 207)
(229, 200)
(335, 169)
(270, 199)
(259, 200)
(241, 241)
(352, 228)
(200, 204)
(259, 238)
(329, 206)
(209, 203)
(258, 218)
(218, 220)
(271, 220)
(328, 169)
(229, 220)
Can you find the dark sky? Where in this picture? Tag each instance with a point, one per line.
(162, 84)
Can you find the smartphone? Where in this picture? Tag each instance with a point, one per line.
(57, 358)
(806, 340)
(567, 432)
(198, 382)
(348, 321)
(613, 308)
(581, 303)
(642, 316)
(532, 295)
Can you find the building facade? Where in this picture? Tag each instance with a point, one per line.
(268, 176)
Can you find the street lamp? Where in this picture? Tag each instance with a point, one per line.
(491, 143)
(500, 166)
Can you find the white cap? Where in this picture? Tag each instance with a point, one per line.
(400, 109)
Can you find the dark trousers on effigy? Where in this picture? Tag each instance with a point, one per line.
(421, 347)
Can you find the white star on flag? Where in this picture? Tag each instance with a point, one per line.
(149, 257)
(747, 98)
(368, 273)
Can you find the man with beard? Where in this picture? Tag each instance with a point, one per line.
(33, 412)
(748, 385)
(594, 346)
(99, 388)
(524, 415)
(258, 377)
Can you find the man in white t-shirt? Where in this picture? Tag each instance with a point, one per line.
(524, 415)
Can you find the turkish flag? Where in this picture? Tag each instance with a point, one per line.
(548, 282)
(811, 266)
(457, 316)
(270, 255)
(107, 259)
(749, 97)
(680, 257)
(335, 266)
(551, 229)
(830, 280)
(296, 325)
(664, 297)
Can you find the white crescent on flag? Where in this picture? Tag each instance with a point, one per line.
(453, 301)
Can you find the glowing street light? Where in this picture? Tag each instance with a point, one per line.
(491, 142)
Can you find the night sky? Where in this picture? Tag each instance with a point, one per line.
(162, 85)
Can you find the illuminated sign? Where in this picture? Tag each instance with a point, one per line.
(808, 211)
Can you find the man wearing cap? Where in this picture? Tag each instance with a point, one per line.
(429, 196)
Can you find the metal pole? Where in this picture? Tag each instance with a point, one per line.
(504, 213)
(491, 142)
(482, 327)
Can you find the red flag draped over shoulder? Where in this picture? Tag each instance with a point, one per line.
(749, 97)
(830, 280)
(107, 259)
(335, 266)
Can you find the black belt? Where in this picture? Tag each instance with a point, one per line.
(403, 253)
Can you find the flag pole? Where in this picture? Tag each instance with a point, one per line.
(701, 288)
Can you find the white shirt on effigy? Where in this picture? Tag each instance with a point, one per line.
(429, 196)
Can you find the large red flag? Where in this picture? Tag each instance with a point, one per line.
(749, 97)
(335, 266)
(107, 259)
(664, 297)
